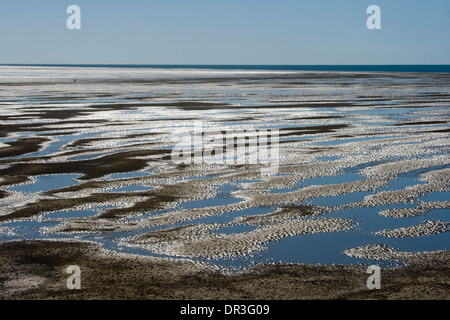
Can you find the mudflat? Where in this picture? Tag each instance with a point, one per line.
(362, 178)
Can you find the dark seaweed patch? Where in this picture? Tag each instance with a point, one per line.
(94, 168)
(22, 146)
(419, 123)
(296, 131)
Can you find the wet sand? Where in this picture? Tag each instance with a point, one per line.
(114, 133)
(37, 270)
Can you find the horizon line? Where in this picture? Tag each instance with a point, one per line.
(209, 64)
(407, 68)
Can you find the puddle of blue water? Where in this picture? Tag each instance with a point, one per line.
(47, 182)
(382, 111)
(342, 141)
(319, 248)
(373, 123)
(200, 177)
(426, 243)
(56, 145)
(437, 214)
(298, 138)
(400, 183)
(410, 178)
(435, 196)
(37, 229)
(26, 230)
(369, 221)
(328, 158)
(247, 181)
(222, 198)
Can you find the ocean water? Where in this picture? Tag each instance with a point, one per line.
(106, 139)
(347, 68)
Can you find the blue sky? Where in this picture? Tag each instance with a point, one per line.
(225, 32)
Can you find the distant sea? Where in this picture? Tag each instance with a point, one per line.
(349, 68)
